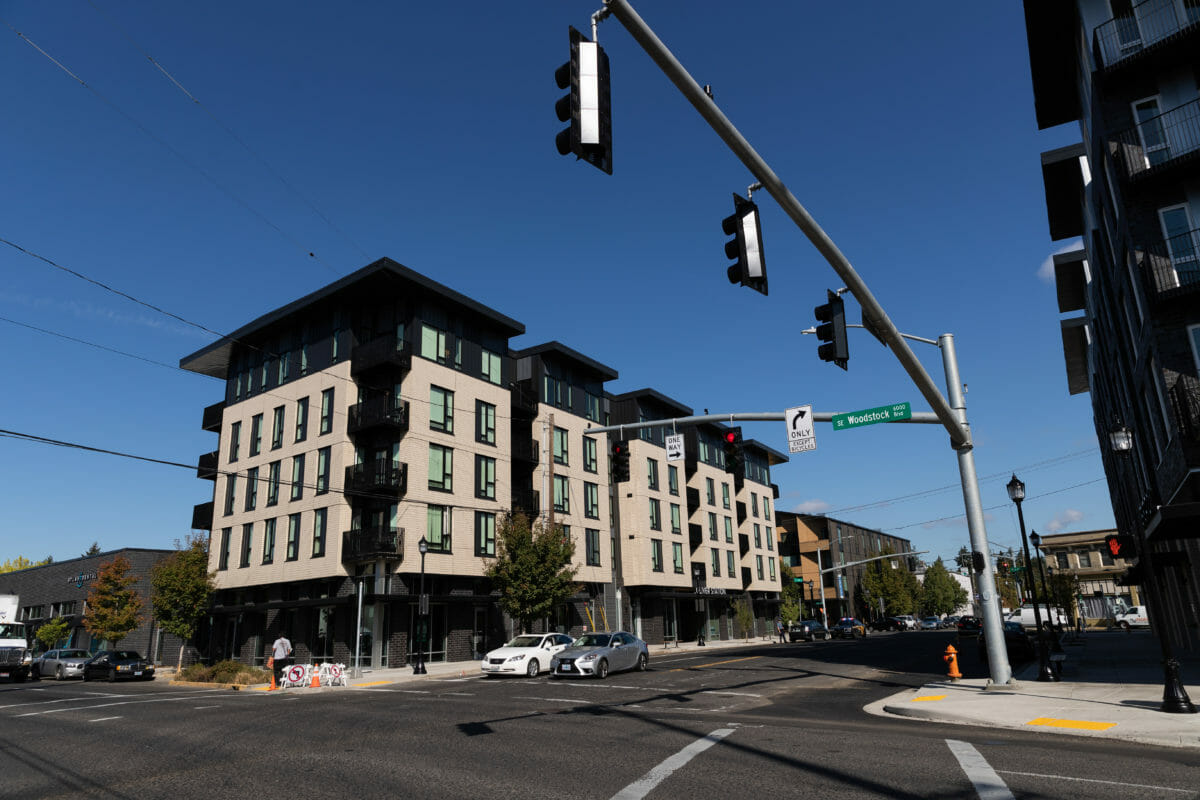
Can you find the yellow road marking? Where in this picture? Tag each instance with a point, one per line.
(715, 663)
(929, 697)
(373, 683)
(1050, 722)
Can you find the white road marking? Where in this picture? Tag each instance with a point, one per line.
(414, 691)
(103, 719)
(458, 694)
(200, 707)
(644, 785)
(106, 705)
(734, 694)
(550, 699)
(1093, 780)
(985, 780)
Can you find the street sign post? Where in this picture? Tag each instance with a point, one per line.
(800, 433)
(674, 447)
(872, 416)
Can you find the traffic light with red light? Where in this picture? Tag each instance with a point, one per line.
(620, 461)
(588, 106)
(746, 245)
(1003, 566)
(1120, 545)
(735, 457)
(833, 331)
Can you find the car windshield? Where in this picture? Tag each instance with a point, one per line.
(593, 640)
(126, 655)
(525, 641)
(74, 654)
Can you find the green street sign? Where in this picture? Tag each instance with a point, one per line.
(872, 416)
(797, 580)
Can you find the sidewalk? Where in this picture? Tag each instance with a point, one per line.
(1111, 687)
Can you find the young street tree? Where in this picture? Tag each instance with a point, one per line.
(114, 609)
(53, 632)
(181, 589)
(532, 568)
(897, 587)
(941, 594)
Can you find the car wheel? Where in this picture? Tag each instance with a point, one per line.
(641, 665)
(85, 676)
(112, 675)
(534, 668)
(602, 668)
(59, 674)
(828, 636)
(1124, 626)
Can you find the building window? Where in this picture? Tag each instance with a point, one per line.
(1085, 560)
(268, 550)
(247, 543)
(301, 419)
(277, 428)
(298, 477)
(710, 491)
(490, 370)
(673, 479)
(716, 563)
(729, 529)
(591, 541)
(655, 516)
(230, 493)
(320, 521)
(652, 473)
(223, 563)
(757, 535)
(725, 495)
(235, 440)
(591, 500)
(560, 446)
(1106, 558)
(441, 409)
(437, 529)
(771, 564)
(753, 504)
(293, 540)
(591, 406)
(433, 344)
(556, 392)
(770, 538)
(327, 410)
(485, 477)
(251, 489)
(677, 557)
(712, 526)
(256, 434)
(562, 494)
(656, 562)
(676, 522)
(485, 422)
(273, 483)
(590, 464)
(441, 468)
(729, 564)
(766, 508)
(1061, 558)
(485, 534)
(758, 564)
(323, 470)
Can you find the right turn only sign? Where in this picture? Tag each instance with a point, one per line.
(801, 437)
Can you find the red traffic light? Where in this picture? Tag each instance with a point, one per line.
(1120, 545)
(731, 436)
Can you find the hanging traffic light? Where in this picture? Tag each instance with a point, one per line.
(833, 331)
(620, 461)
(1002, 567)
(735, 458)
(746, 245)
(588, 106)
(1120, 545)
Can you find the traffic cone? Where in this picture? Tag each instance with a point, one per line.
(316, 677)
(272, 687)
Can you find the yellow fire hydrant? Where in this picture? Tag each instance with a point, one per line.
(951, 658)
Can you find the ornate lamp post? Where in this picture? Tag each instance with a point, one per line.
(422, 613)
(1016, 493)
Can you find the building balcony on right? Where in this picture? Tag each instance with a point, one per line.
(202, 516)
(1173, 265)
(382, 353)
(378, 478)
(207, 466)
(212, 417)
(368, 544)
(1161, 141)
(1146, 28)
(380, 411)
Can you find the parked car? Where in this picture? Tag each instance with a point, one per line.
(61, 664)
(527, 654)
(909, 621)
(931, 623)
(118, 664)
(1133, 617)
(597, 654)
(951, 621)
(807, 630)
(887, 624)
(849, 628)
(1016, 641)
(969, 626)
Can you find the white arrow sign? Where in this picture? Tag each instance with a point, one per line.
(800, 433)
(674, 447)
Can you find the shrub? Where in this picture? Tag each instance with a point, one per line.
(225, 672)
(196, 673)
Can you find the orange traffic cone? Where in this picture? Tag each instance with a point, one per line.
(316, 677)
(272, 687)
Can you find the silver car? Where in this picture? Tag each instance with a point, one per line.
(597, 654)
(61, 664)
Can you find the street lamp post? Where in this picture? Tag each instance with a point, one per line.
(1036, 541)
(422, 613)
(1175, 696)
(1016, 493)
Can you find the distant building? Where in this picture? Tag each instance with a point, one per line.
(1084, 556)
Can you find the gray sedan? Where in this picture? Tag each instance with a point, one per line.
(61, 663)
(599, 653)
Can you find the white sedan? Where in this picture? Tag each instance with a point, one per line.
(527, 654)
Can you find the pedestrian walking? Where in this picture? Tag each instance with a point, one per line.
(281, 652)
(779, 629)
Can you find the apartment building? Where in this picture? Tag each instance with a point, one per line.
(1127, 73)
(1101, 577)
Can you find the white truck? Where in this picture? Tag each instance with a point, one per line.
(1133, 617)
(1025, 616)
(16, 659)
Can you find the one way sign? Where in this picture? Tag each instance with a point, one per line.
(801, 437)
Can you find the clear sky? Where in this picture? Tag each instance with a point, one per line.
(193, 155)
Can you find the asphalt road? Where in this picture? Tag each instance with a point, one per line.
(760, 721)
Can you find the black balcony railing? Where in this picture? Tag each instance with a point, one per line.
(378, 412)
(202, 516)
(524, 399)
(1151, 23)
(382, 352)
(212, 417)
(379, 478)
(366, 544)
(1185, 405)
(1158, 143)
(1173, 266)
(525, 449)
(207, 466)
(527, 502)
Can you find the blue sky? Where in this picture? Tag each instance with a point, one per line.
(425, 132)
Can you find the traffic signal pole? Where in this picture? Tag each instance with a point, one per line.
(952, 415)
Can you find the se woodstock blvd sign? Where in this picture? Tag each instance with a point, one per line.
(872, 416)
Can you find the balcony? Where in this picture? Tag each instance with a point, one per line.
(695, 535)
(368, 544)
(212, 417)
(693, 501)
(744, 543)
(1173, 266)
(528, 502)
(747, 577)
(385, 353)
(202, 516)
(741, 513)
(207, 466)
(524, 399)
(526, 450)
(1160, 143)
(381, 478)
(1182, 453)
(378, 412)
(1155, 26)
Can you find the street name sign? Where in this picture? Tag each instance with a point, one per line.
(872, 416)
(800, 433)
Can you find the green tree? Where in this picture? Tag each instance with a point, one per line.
(181, 589)
(896, 586)
(941, 594)
(789, 611)
(791, 591)
(94, 550)
(21, 562)
(532, 568)
(53, 632)
(743, 615)
(114, 608)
